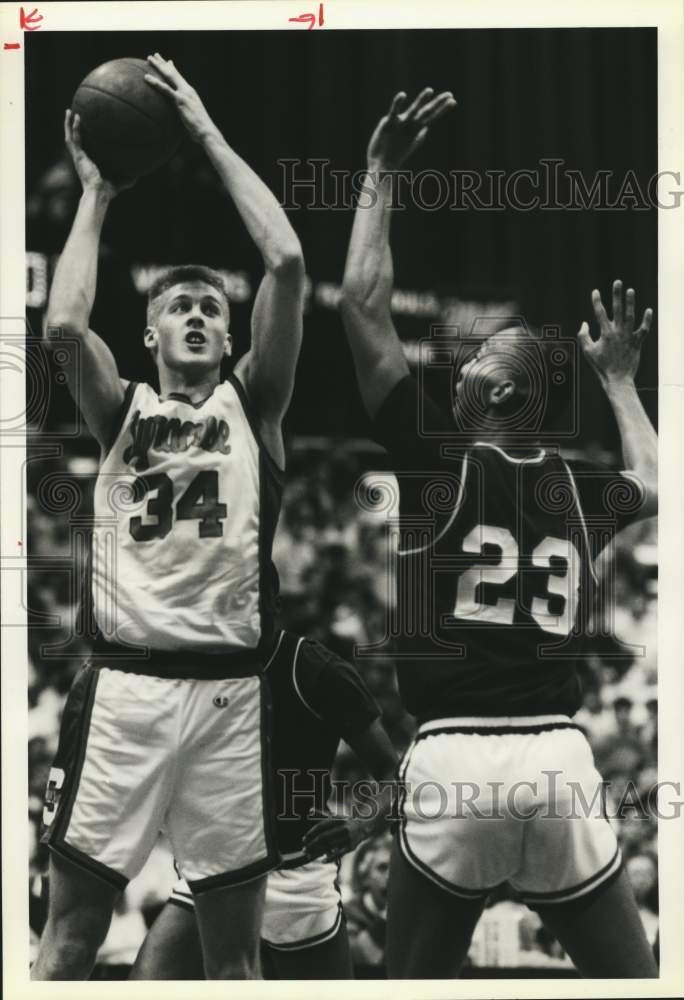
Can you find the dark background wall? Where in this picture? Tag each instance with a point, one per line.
(585, 96)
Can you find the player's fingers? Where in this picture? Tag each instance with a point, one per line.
(164, 68)
(599, 309)
(420, 138)
(423, 96)
(160, 84)
(584, 337)
(435, 108)
(617, 302)
(645, 327)
(76, 131)
(320, 828)
(167, 68)
(630, 308)
(398, 102)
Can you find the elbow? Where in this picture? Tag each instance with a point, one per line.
(288, 262)
(351, 294)
(651, 502)
(361, 302)
(68, 314)
(61, 324)
(645, 483)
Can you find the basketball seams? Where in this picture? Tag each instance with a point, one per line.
(129, 129)
(117, 97)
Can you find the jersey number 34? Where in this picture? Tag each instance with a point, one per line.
(200, 500)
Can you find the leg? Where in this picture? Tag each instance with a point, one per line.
(229, 924)
(605, 937)
(428, 929)
(329, 960)
(171, 949)
(79, 914)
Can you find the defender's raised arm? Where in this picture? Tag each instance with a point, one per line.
(99, 391)
(268, 370)
(369, 276)
(615, 358)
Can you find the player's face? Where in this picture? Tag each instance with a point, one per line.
(190, 330)
(376, 878)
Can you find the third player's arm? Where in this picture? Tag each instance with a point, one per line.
(336, 835)
(368, 278)
(615, 357)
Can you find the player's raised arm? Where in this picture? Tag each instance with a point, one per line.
(615, 358)
(369, 276)
(99, 390)
(269, 368)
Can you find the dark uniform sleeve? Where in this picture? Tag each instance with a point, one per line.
(411, 426)
(606, 493)
(333, 690)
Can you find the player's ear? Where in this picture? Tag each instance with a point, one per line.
(228, 346)
(500, 392)
(150, 337)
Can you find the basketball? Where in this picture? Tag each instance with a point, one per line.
(127, 127)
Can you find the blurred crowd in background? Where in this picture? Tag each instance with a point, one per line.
(336, 582)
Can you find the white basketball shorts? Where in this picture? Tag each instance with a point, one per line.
(516, 800)
(303, 905)
(138, 754)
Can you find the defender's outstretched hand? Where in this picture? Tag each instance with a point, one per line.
(615, 355)
(403, 128)
(193, 114)
(88, 172)
(335, 836)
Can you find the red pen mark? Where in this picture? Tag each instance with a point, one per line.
(310, 19)
(29, 22)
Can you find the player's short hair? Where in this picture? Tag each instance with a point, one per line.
(535, 374)
(179, 275)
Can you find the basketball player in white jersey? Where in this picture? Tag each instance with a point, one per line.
(493, 595)
(167, 726)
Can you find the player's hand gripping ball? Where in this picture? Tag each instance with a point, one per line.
(128, 128)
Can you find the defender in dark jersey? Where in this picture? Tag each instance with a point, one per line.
(168, 726)
(318, 699)
(494, 591)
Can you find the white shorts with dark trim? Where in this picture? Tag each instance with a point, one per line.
(303, 905)
(139, 754)
(517, 800)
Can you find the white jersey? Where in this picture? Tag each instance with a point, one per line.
(186, 505)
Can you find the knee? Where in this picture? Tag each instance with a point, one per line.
(76, 953)
(65, 953)
(76, 930)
